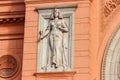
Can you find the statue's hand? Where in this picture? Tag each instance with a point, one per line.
(61, 28)
(41, 32)
(41, 35)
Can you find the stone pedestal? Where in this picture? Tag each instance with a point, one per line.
(55, 75)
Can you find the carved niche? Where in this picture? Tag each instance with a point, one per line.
(8, 66)
(55, 49)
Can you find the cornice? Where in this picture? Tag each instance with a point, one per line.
(14, 16)
(11, 36)
(58, 6)
(56, 74)
(4, 2)
(12, 13)
(11, 20)
(51, 1)
(17, 13)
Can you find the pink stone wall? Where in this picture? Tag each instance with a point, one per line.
(92, 33)
(11, 43)
(81, 41)
(12, 33)
(101, 31)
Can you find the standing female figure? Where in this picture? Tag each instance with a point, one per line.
(56, 31)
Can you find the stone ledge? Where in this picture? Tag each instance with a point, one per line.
(5, 2)
(11, 36)
(50, 1)
(11, 20)
(55, 74)
(57, 6)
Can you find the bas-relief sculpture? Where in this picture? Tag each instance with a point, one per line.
(57, 49)
(8, 66)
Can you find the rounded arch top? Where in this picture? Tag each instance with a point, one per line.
(111, 60)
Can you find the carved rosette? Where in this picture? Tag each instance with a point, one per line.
(8, 66)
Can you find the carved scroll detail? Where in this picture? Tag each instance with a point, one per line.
(110, 6)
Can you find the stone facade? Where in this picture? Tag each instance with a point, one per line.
(96, 28)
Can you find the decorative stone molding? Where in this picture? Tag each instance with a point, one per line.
(14, 67)
(55, 75)
(12, 13)
(110, 6)
(8, 66)
(109, 10)
(58, 6)
(50, 1)
(111, 60)
(11, 36)
(7, 2)
(51, 74)
(11, 20)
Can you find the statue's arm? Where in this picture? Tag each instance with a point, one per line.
(64, 27)
(43, 35)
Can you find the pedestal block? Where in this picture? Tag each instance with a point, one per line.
(55, 75)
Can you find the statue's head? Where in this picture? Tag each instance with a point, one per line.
(56, 13)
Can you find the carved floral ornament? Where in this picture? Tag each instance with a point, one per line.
(8, 66)
(110, 6)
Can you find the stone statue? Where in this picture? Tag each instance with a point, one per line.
(56, 32)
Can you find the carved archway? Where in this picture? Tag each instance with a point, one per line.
(111, 60)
